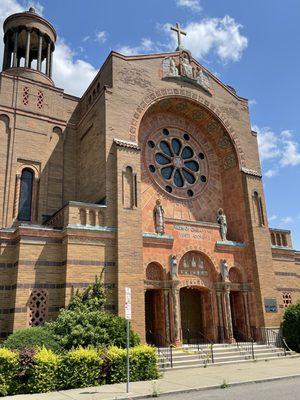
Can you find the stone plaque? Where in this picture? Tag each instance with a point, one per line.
(192, 264)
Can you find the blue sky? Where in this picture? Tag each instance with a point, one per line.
(251, 45)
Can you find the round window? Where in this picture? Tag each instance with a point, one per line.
(176, 162)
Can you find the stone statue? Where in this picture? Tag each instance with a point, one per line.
(222, 221)
(159, 218)
(203, 79)
(169, 67)
(186, 68)
(224, 271)
(173, 267)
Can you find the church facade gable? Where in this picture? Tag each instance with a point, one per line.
(151, 178)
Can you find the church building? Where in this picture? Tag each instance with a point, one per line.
(151, 179)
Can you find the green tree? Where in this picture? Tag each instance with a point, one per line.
(291, 326)
(84, 323)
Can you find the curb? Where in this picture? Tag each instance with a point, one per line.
(206, 388)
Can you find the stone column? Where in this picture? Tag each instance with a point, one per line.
(228, 315)
(5, 55)
(220, 314)
(50, 75)
(212, 310)
(27, 54)
(39, 60)
(167, 313)
(246, 310)
(48, 60)
(176, 312)
(15, 59)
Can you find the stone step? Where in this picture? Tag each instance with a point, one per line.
(194, 355)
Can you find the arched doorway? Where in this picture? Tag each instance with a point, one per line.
(237, 306)
(155, 306)
(196, 316)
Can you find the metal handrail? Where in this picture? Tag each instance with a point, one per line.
(247, 345)
(206, 339)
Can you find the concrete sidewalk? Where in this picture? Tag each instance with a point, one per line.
(181, 381)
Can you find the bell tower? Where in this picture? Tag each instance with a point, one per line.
(29, 42)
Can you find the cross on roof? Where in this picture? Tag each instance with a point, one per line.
(179, 32)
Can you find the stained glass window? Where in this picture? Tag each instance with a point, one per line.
(25, 201)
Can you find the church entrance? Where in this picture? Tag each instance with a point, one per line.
(192, 308)
(154, 317)
(238, 315)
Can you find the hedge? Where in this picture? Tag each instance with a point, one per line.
(9, 369)
(43, 370)
(81, 368)
(143, 364)
(34, 337)
(291, 326)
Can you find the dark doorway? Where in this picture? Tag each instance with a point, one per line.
(191, 308)
(154, 317)
(238, 315)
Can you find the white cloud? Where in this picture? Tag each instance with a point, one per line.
(146, 46)
(193, 5)
(290, 154)
(101, 37)
(286, 220)
(280, 149)
(252, 102)
(73, 75)
(221, 37)
(268, 143)
(86, 38)
(271, 172)
(273, 218)
(70, 73)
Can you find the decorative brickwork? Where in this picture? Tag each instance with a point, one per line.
(25, 96)
(37, 307)
(40, 99)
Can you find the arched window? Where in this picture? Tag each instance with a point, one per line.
(129, 188)
(259, 209)
(25, 200)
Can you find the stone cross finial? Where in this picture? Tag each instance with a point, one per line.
(179, 32)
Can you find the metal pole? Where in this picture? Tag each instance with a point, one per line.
(127, 358)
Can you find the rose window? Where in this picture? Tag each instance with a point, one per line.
(177, 162)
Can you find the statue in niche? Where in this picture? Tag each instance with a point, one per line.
(222, 221)
(169, 67)
(186, 68)
(159, 218)
(224, 271)
(173, 267)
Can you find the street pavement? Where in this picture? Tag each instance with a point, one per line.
(194, 382)
(287, 389)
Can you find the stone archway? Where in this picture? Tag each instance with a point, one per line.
(156, 309)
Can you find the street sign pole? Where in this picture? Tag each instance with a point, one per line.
(128, 318)
(127, 358)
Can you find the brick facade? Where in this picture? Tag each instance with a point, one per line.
(94, 194)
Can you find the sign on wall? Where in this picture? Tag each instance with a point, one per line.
(271, 305)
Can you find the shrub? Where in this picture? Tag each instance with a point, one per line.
(9, 369)
(81, 368)
(26, 359)
(82, 327)
(291, 326)
(44, 373)
(143, 364)
(34, 337)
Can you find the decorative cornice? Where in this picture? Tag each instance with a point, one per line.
(230, 244)
(127, 144)
(251, 172)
